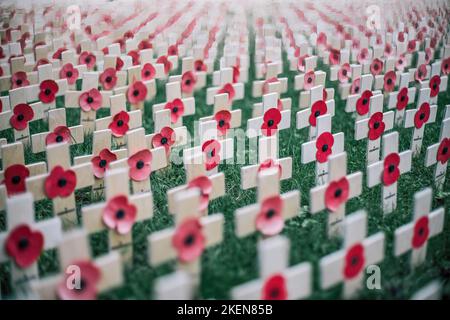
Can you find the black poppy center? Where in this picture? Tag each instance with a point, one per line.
(120, 214)
(19, 82)
(147, 73)
(421, 231)
(335, 56)
(62, 182)
(355, 260)
(90, 100)
(344, 72)
(15, 180)
(175, 109)
(188, 82)
(20, 117)
(446, 66)
(69, 74)
(270, 123)
(212, 153)
(402, 98)
(120, 123)
(317, 113)
(189, 240)
(23, 243)
(364, 102)
(376, 125)
(445, 150)
(102, 163)
(270, 213)
(324, 148)
(274, 292)
(338, 193)
(391, 168)
(422, 116)
(389, 81)
(309, 80)
(47, 92)
(140, 164)
(88, 60)
(135, 93)
(108, 79)
(434, 86)
(163, 140)
(375, 66)
(221, 123)
(59, 138)
(356, 89)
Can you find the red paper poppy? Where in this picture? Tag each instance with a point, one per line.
(402, 99)
(309, 80)
(363, 55)
(429, 54)
(445, 66)
(265, 87)
(137, 92)
(59, 134)
(101, 162)
(443, 153)
(90, 277)
(19, 79)
(275, 288)
(376, 126)
(422, 115)
(60, 183)
(334, 57)
(134, 57)
(324, 146)
(344, 73)
(15, 176)
(188, 240)
(389, 81)
(421, 72)
(269, 220)
(391, 172)
(172, 50)
(356, 86)
(401, 36)
(228, 89)
(270, 163)
(435, 82)
(119, 125)
(167, 64)
(108, 78)
(336, 194)
(48, 90)
(199, 66)
(22, 114)
(40, 62)
(421, 232)
(166, 138)
(319, 108)
(88, 59)
(376, 67)
(119, 214)
(90, 100)
(69, 72)
(271, 119)
(363, 103)
(188, 81)
(400, 64)
(58, 53)
(205, 186)
(301, 63)
(354, 261)
(176, 108)
(148, 72)
(388, 51)
(24, 245)
(140, 165)
(411, 46)
(223, 119)
(321, 39)
(211, 150)
(145, 44)
(1, 71)
(119, 64)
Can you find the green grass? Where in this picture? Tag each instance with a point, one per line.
(235, 260)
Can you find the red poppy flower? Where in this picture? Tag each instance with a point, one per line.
(363, 55)
(40, 62)
(269, 163)
(411, 46)
(376, 126)
(401, 36)
(275, 288)
(400, 64)
(140, 165)
(445, 66)
(58, 53)
(422, 115)
(309, 80)
(108, 78)
(199, 66)
(128, 35)
(211, 150)
(119, 64)
(324, 145)
(205, 186)
(19, 79)
(188, 81)
(354, 261)
(443, 153)
(435, 82)
(90, 277)
(363, 103)
(69, 72)
(148, 72)
(15, 176)
(59, 134)
(376, 67)
(167, 64)
(269, 220)
(90, 100)
(101, 162)
(402, 99)
(172, 50)
(389, 81)
(166, 138)
(24, 245)
(176, 108)
(319, 108)
(334, 57)
(134, 57)
(119, 214)
(22, 113)
(421, 72)
(271, 119)
(421, 232)
(388, 51)
(301, 63)
(321, 39)
(336, 194)
(188, 240)
(429, 54)
(228, 89)
(88, 59)
(344, 73)
(223, 118)
(356, 86)
(119, 125)
(145, 44)
(137, 92)
(1, 72)
(48, 90)
(60, 183)
(391, 172)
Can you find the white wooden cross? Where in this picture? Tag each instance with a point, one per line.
(68, 58)
(97, 276)
(439, 153)
(277, 280)
(91, 98)
(419, 118)
(272, 210)
(348, 265)
(425, 225)
(399, 100)
(119, 213)
(64, 204)
(226, 86)
(272, 83)
(311, 78)
(282, 104)
(325, 145)
(373, 127)
(192, 234)
(175, 286)
(58, 132)
(387, 171)
(334, 194)
(187, 77)
(360, 101)
(24, 241)
(318, 107)
(436, 83)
